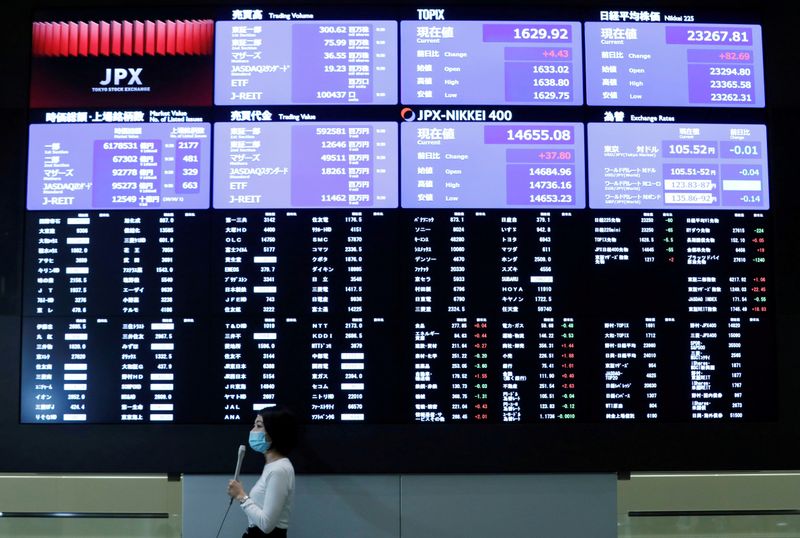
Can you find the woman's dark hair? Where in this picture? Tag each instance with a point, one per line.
(281, 427)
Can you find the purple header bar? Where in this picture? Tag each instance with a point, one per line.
(527, 33)
(529, 134)
(709, 35)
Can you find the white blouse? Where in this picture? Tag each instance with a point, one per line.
(270, 502)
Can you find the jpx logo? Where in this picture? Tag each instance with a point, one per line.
(430, 14)
(429, 115)
(117, 76)
(476, 114)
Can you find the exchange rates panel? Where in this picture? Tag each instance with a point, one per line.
(669, 166)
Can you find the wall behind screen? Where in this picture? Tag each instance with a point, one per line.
(415, 447)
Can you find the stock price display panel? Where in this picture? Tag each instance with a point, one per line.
(399, 217)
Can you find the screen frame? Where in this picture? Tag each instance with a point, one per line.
(437, 448)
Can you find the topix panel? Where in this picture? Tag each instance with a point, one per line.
(491, 62)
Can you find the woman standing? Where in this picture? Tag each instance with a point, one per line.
(269, 503)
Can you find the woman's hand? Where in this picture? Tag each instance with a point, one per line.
(235, 489)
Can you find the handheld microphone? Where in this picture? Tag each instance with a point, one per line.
(239, 463)
(239, 458)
